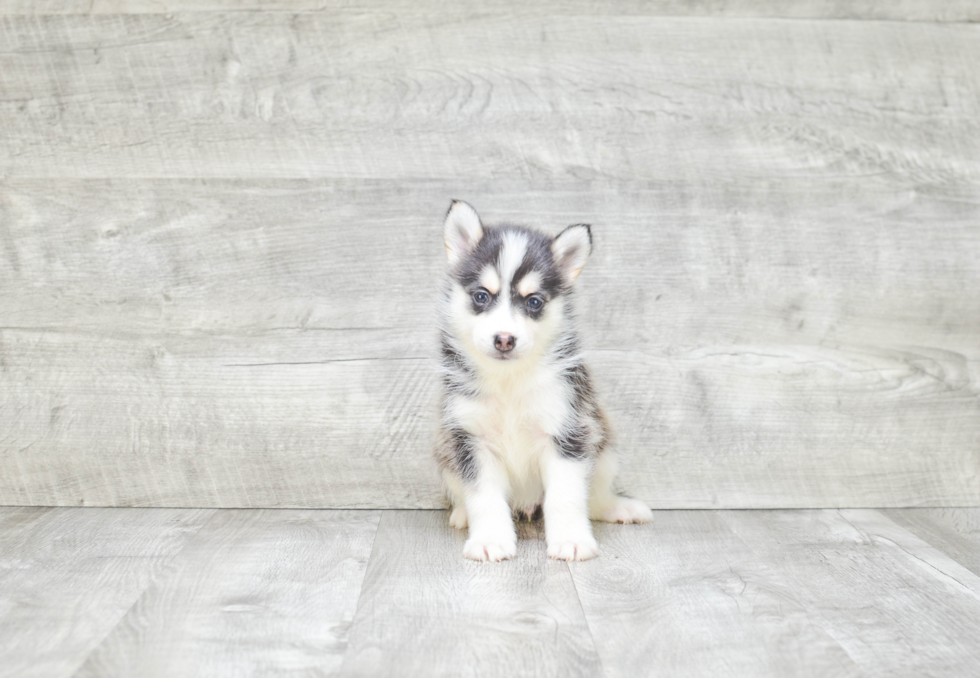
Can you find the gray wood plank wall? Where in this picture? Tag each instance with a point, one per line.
(897, 10)
(220, 243)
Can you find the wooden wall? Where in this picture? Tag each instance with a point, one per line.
(220, 241)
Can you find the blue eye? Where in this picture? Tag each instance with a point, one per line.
(481, 297)
(535, 303)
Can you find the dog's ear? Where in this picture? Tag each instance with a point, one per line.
(571, 249)
(462, 231)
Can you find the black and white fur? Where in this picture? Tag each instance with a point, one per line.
(520, 424)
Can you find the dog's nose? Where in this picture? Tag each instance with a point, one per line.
(504, 342)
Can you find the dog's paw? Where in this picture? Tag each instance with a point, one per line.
(493, 550)
(625, 510)
(579, 548)
(458, 518)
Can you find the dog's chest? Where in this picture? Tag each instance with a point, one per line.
(517, 422)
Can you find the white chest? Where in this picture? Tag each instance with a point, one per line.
(515, 422)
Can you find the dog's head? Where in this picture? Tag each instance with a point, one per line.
(508, 282)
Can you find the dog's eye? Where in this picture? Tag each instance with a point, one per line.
(534, 302)
(481, 297)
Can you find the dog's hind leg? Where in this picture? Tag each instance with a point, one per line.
(457, 510)
(607, 506)
(458, 517)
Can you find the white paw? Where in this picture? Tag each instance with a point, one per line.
(458, 517)
(493, 550)
(625, 510)
(582, 547)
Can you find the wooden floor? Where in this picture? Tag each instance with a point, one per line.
(182, 592)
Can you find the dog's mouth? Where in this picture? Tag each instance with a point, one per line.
(501, 355)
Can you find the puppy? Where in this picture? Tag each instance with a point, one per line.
(520, 425)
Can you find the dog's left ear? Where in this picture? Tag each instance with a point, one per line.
(571, 249)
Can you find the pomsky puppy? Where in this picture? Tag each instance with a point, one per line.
(520, 425)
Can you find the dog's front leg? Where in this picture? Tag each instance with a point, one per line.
(492, 535)
(566, 508)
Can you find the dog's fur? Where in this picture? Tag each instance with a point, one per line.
(520, 424)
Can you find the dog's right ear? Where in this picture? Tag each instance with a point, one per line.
(462, 231)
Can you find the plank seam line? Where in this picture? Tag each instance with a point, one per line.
(687, 17)
(327, 362)
(585, 617)
(360, 593)
(922, 562)
(930, 566)
(162, 574)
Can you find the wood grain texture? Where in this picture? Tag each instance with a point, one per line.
(954, 531)
(255, 593)
(782, 310)
(899, 10)
(148, 592)
(240, 343)
(879, 588)
(194, 430)
(777, 593)
(67, 576)
(428, 95)
(425, 611)
(685, 596)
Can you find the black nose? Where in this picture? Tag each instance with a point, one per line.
(504, 342)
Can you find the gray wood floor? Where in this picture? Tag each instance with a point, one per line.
(179, 592)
